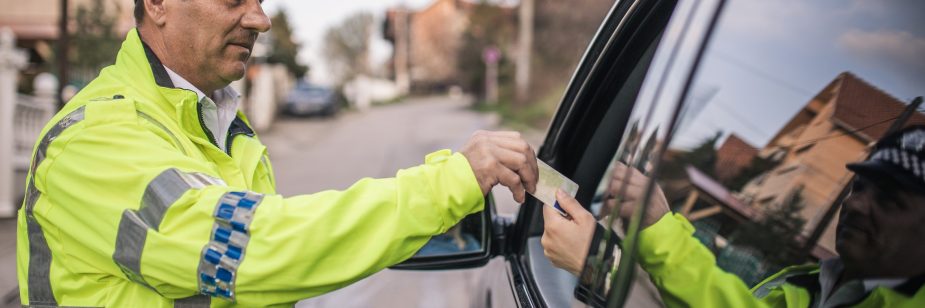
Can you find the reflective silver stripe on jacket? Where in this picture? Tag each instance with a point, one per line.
(39, 283)
(193, 301)
(161, 193)
(763, 289)
(164, 128)
(223, 254)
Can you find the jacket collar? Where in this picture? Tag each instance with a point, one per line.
(144, 73)
(161, 77)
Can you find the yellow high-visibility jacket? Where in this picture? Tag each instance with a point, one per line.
(131, 204)
(686, 275)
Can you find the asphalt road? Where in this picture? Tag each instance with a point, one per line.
(311, 155)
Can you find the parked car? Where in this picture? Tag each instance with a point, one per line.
(778, 95)
(307, 99)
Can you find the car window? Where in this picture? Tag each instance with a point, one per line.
(759, 164)
(786, 94)
(653, 95)
(593, 129)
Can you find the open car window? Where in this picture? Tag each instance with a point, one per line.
(670, 35)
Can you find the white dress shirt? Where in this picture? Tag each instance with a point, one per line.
(217, 114)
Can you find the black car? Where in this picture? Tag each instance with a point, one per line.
(774, 96)
(308, 99)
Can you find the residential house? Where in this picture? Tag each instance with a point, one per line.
(36, 24)
(733, 156)
(835, 127)
(427, 43)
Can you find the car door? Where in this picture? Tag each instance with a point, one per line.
(745, 128)
(660, 86)
(621, 101)
(627, 86)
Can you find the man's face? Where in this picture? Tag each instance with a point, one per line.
(881, 231)
(210, 41)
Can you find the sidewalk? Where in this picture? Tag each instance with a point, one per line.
(9, 296)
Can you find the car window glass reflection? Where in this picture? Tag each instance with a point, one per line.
(760, 158)
(785, 96)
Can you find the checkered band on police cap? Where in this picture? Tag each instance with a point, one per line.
(900, 155)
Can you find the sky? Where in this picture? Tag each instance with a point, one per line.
(769, 58)
(310, 20)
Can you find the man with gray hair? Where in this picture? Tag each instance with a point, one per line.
(150, 189)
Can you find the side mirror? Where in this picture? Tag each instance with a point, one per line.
(466, 245)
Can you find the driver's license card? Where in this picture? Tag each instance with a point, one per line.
(550, 180)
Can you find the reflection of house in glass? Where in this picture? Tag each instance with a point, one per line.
(811, 150)
(716, 197)
(732, 158)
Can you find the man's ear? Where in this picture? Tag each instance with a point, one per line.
(156, 11)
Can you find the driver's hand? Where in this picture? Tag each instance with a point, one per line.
(565, 240)
(502, 158)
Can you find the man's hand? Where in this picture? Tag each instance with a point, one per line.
(635, 183)
(565, 240)
(502, 157)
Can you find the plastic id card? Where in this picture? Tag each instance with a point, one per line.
(550, 180)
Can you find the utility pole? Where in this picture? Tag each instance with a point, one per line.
(401, 60)
(525, 46)
(836, 205)
(63, 36)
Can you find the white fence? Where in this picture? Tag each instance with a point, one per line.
(21, 120)
(30, 114)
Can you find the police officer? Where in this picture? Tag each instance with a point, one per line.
(879, 240)
(149, 189)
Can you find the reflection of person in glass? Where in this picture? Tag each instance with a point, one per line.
(879, 239)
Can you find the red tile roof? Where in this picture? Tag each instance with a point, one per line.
(734, 155)
(861, 106)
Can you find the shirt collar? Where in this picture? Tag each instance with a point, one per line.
(220, 95)
(182, 83)
(870, 284)
(829, 272)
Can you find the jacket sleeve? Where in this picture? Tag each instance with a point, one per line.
(685, 272)
(136, 208)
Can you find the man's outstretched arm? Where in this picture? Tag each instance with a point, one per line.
(166, 221)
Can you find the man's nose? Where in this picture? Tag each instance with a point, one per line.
(255, 18)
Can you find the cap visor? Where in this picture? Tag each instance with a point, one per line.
(879, 171)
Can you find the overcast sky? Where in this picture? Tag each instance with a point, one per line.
(310, 20)
(769, 58)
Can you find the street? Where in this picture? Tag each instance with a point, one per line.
(314, 155)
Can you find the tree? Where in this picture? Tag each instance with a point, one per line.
(775, 235)
(562, 32)
(284, 50)
(346, 46)
(489, 26)
(703, 156)
(756, 167)
(95, 42)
